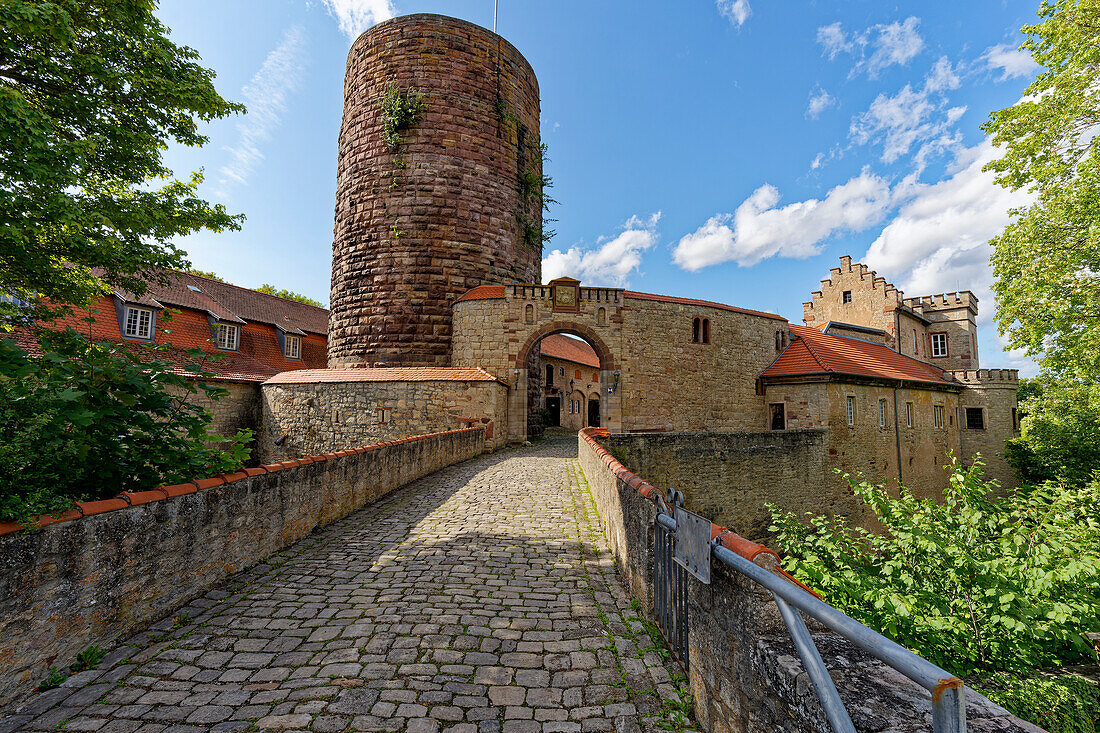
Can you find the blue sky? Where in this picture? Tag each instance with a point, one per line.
(730, 150)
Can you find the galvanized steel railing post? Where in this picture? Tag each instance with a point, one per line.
(949, 708)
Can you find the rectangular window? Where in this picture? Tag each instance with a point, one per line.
(561, 371)
(916, 343)
(975, 418)
(778, 416)
(1015, 419)
(139, 323)
(846, 297)
(851, 410)
(882, 413)
(292, 348)
(228, 336)
(908, 414)
(939, 345)
(549, 375)
(937, 415)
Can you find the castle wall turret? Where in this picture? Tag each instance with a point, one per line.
(450, 206)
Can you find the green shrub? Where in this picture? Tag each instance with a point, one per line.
(87, 420)
(973, 582)
(1060, 429)
(1063, 704)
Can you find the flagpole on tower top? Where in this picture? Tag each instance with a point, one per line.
(495, 15)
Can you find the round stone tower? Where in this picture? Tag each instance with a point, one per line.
(432, 197)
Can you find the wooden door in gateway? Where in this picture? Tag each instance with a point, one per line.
(553, 404)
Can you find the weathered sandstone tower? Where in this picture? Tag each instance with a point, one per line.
(430, 204)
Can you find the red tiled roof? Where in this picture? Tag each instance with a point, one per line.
(703, 303)
(484, 292)
(227, 366)
(383, 374)
(814, 352)
(560, 346)
(233, 303)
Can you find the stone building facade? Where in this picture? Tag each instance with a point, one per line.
(434, 281)
(568, 383)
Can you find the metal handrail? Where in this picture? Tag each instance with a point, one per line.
(948, 695)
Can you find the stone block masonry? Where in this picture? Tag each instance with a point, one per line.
(729, 477)
(109, 567)
(417, 227)
(744, 671)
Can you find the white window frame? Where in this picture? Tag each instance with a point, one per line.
(292, 346)
(937, 415)
(225, 343)
(908, 414)
(143, 323)
(939, 345)
(851, 407)
(882, 413)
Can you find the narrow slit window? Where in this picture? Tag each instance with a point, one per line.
(695, 330)
(706, 330)
(908, 414)
(882, 413)
(851, 403)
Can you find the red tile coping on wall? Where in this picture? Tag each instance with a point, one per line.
(133, 498)
(702, 303)
(383, 374)
(730, 540)
(483, 292)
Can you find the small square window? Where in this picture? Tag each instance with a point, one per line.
(975, 418)
(228, 336)
(939, 345)
(139, 323)
(851, 403)
(292, 347)
(846, 296)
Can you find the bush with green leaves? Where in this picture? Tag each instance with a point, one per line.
(83, 420)
(1058, 704)
(975, 581)
(1060, 432)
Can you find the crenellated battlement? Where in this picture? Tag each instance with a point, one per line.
(987, 377)
(941, 301)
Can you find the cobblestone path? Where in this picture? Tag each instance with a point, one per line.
(481, 598)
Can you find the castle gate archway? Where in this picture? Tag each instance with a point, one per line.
(498, 328)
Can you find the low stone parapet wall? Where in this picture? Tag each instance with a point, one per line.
(98, 572)
(744, 671)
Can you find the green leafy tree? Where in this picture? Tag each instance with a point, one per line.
(288, 294)
(1047, 262)
(974, 583)
(1061, 432)
(91, 92)
(84, 421)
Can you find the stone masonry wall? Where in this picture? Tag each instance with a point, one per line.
(729, 477)
(873, 303)
(993, 390)
(321, 417)
(417, 227)
(238, 410)
(114, 565)
(744, 671)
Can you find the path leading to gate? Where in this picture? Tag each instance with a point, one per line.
(482, 598)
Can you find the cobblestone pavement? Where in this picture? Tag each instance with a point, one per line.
(481, 598)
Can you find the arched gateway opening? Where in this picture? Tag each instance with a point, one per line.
(567, 378)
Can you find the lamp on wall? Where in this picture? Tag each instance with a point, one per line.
(572, 383)
(616, 375)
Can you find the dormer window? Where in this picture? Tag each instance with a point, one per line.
(229, 336)
(292, 347)
(138, 323)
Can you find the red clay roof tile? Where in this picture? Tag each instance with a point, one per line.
(560, 346)
(383, 374)
(814, 352)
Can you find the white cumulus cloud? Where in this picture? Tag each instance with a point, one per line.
(356, 16)
(760, 228)
(820, 100)
(265, 97)
(735, 11)
(939, 239)
(877, 47)
(611, 262)
(1011, 62)
(914, 118)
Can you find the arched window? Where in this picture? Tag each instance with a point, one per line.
(601, 317)
(706, 330)
(530, 313)
(695, 330)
